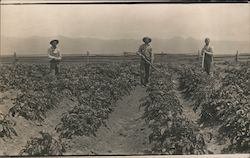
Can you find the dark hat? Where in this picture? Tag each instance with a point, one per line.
(207, 39)
(146, 38)
(57, 41)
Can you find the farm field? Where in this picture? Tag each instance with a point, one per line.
(101, 109)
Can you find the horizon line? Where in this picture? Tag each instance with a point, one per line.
(103, 38)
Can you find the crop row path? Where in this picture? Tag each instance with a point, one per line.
(125, 133)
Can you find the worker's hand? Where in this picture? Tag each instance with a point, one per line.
(209, 53)
(147, 58)
(58, 58)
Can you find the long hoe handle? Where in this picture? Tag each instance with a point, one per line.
(148, 61)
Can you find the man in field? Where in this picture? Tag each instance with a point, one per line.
(54, 57)
(207, 60)
(145, 51)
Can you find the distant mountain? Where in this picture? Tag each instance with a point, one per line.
(39, 45)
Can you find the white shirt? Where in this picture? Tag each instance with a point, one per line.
(54, 53)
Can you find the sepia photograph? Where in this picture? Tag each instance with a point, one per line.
(125, 79)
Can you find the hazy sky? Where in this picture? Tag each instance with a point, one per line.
(217, 21)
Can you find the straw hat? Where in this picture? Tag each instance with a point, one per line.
(57, 41)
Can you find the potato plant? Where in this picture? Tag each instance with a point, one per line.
(171, 133)
(239, 77)
(225, 105)
(6, 127)
(45, 145)
(96, 86)
(196, 86)
(236, 110)
(96, 92)
(38, 90)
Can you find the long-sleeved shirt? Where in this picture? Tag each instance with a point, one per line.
(146, 51)
(54, 53)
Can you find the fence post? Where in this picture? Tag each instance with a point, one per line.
(124, 56)
(87, 57)
(15, 58)
(198, 55)
(237, 56)
(162, 57)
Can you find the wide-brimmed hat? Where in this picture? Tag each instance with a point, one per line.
(57, 41)
(146, 38)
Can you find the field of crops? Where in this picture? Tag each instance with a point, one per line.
(85, 99)
(223, 101)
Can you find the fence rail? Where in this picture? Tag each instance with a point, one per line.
(127, 56)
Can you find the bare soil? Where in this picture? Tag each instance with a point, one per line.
(27, 129)
(210, 133)
(126, 133)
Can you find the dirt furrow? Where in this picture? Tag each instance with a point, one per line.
(27, 129)
(126, 132)
(210, 133)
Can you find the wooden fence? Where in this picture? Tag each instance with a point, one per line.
(127, 56)
(161, 57)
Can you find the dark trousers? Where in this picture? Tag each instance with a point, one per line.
(145, 70)
(54, 66)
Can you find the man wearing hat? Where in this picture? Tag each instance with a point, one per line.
(146, 51)
(54, 56)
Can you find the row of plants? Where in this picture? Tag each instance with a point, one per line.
(172, 133)
(38, 90)
(41, 92)
(96, 87)
(196, 85)
(102, 87)
(235, 92)
(225, 105)
(239, 76)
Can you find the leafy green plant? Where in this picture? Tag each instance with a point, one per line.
(6, 126)
(225, 105)
(102, 87)
(171, 132)
(45, 145)
(95, 86)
